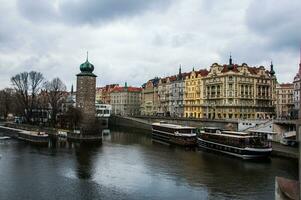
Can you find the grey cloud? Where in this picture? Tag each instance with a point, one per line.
(42, 10)
(277, 21)
(146, 38)
(86, 11)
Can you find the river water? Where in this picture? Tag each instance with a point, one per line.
(128, 165)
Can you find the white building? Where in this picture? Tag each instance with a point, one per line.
(126, 100)
(297, 91)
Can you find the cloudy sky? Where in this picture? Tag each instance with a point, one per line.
(136, 40)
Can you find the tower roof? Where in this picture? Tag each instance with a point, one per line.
(86, 68)
(230, 66)
(272, 72)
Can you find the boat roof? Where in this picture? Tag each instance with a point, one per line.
(175, 126)
(212, 128)
(233, 136)
(236, 132)
(258, 131)
(290, 134)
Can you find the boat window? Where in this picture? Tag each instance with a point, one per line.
(186, 130)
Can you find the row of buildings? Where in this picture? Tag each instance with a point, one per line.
(288, 98)
(228, 91)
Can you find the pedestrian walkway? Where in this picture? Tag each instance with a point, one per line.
(285, 151)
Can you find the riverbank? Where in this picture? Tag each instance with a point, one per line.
(23, 131)
(285, 151)
(279, 150)
(144, 122)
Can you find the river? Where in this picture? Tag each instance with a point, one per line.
(128, 165)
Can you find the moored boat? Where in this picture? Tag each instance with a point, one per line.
(4, 138)
(174, 134)
(246, 145)
(39, 138)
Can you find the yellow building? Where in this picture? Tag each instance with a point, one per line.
(230, 91)
(239, 92)
(149, 97)
(193, 94)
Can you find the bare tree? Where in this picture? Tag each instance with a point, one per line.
(36, 79)
(27, 85)
(6, 105)
(56, 90)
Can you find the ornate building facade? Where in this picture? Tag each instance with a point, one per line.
(297, 92)
(239, 92)
(163, 96)
(228, 91)
(176, 104)
(149, 97)
(194, 94)
(284, 100)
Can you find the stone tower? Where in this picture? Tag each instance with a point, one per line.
(85, 97)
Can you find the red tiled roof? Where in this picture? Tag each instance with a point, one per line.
(172, 78)
(129, 89)
(253, 70)
(226, 68)
(286, 85)
(202, 72)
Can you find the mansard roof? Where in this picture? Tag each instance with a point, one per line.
(127, 89)
(286, 85)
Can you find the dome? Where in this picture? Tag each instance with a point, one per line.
(86, 67)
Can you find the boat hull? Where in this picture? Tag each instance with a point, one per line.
(173, 139)
(245, 153)
(34, 139)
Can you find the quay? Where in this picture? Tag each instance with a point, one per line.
(14, 130)
(285, 151)
(144, 123)
(27, 133)
(34, 137)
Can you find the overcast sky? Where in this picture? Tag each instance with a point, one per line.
(136, 40)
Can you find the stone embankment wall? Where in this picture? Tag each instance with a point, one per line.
(145, 122)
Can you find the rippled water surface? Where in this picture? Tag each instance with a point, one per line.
(128, 165)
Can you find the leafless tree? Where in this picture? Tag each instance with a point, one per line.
(56, 91)
(27, 86)
(6, 105)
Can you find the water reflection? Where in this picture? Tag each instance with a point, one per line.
(128, 165)
(85, 157)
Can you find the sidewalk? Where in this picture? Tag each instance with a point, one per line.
(285, 151)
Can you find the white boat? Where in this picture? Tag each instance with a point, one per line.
(62, 134)
(174, 134)
(289, 139)
(4, 138)
(106, 131)
(244, 145)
